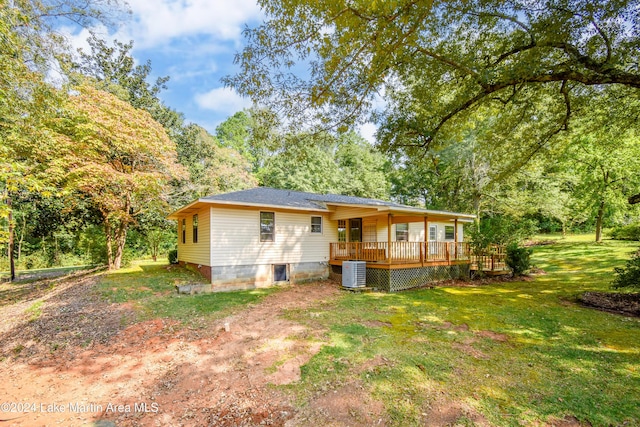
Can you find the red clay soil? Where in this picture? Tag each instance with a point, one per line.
(66, 359)
(155, 372)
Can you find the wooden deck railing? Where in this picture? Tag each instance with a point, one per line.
(492, 258)
(400, 252)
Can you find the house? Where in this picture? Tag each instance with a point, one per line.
(264, 236)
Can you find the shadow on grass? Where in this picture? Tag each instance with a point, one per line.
(517, 352)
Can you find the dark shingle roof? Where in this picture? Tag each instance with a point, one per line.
(294, 199)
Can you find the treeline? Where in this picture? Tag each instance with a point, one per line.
(91, 164)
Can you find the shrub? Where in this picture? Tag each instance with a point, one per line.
(626, 232)
(173, 256)
(629, 276)
(518, 259)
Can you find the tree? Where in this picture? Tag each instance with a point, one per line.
(363, 169)
(212, 168)
(304, 163)
(28, 50)
(118, 156)
(115, 71)
(323, 163)
(606, 161)
(254, 133)
(438, 62)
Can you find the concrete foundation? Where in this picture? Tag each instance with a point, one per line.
(231, 278)
(205, 270)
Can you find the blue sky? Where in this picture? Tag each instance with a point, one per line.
(193, 42)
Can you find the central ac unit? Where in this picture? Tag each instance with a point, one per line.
(354, 274)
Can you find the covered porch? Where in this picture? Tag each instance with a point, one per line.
(400, 253)
(403, 247)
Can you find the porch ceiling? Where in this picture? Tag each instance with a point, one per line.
(399, 216)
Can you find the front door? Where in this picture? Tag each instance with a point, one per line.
(355, 230)
(433, 240)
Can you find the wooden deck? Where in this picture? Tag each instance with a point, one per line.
(401, 255)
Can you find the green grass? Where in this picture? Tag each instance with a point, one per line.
(559, 359)
(34, 311)
(150, 287)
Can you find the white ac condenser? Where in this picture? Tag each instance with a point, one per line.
(354, 274)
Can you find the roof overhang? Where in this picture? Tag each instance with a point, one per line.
(195, 206)
(404, 214)
(401, 213)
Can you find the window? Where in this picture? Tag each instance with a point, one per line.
(402, 232)
(280, 273)
(184, 230)
(316, 224)
(195, 228)
(449, 233)
(433, 233)
(342, 230)
(370, 233)
(267, 229)
(355, 230)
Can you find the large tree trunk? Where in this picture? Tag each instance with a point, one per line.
(22, 233)
(12, 266)
(109, 240)
(121, 239)
(599, 220)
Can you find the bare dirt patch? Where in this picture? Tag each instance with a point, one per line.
(444, 412)
(377, 324)
(159, 372)
(493, 335)
(348, 405)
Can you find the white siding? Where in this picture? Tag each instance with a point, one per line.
(197, 253)
(236, 238)
(416, 231)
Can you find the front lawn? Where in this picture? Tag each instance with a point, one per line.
(507, 354)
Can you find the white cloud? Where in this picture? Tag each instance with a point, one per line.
(222, 100)
(158, 22)
(78, 40)
(368, 132)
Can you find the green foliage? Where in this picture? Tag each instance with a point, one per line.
(500, 231)
(213, 168)
(626, 232)
(322, 163)
(436, 62)
(125, 163)
(172, 256)
(518, 259)
(629, 276)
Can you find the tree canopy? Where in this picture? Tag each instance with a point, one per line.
(436, 62)
(117, 156)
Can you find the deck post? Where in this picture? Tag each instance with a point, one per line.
(455, 239)
(389, 222)
(426, 237)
